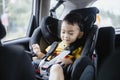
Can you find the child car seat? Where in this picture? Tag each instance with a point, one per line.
(48, 32)
(84, 65)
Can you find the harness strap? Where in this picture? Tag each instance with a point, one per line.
(52, 49)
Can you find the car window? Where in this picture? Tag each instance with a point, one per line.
(15, 15)
(109, 12)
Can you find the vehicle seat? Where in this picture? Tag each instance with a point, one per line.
(105, 44)
(15, 64)
(84, 65)
(110, 69)
(88, 41)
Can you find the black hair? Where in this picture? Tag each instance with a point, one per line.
(74, 18)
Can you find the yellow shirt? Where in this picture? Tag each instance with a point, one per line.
(61, 46)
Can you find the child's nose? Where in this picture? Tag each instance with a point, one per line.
(66, 36)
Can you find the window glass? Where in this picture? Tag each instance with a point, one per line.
(15, 15)
(59, 10)
(109, 12)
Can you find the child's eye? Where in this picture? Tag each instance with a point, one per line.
(70, 33)
(63, 32)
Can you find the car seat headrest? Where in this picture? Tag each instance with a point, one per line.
(49, 29)
(2, 30)
(88, 14)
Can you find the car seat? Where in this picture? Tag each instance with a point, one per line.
(15, 64)
(105, 44)
(110, 69)
(84, 65)
(46, 33)
(49, 30)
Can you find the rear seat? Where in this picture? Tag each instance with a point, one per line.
(15, 64)
(105, 44)
(110, 69)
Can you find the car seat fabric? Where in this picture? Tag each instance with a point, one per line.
(90, 43)
(87, 12)
(105, 44)
(15, 64)
(88, 73)
(46, 33)
(110, 70)
(50, 25)
(83, 69)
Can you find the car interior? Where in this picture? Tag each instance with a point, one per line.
(100, 42)
(51, 27)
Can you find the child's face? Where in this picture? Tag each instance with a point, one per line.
(69, 33)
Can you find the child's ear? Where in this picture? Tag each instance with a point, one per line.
(80, 35)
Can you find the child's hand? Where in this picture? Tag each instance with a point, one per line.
(64, 61)
(36, 48)
(37, 51)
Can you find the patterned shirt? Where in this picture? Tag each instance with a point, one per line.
(61, 46)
